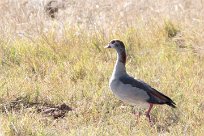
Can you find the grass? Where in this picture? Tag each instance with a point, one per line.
(43, 68)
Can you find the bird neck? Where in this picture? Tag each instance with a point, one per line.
(119, 69)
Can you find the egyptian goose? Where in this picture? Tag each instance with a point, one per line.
(130, 90)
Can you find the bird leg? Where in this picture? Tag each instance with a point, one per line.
(148, 112)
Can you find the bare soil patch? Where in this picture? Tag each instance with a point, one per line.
(50, 110)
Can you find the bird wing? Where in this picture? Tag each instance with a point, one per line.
(155, 96)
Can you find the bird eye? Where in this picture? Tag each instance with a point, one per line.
(112, 42)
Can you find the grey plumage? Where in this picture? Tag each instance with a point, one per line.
(148, 89)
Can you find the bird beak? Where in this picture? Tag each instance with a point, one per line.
(107, 46)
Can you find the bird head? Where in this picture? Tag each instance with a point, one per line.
(116, 44)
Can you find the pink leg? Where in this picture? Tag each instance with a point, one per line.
(148, 111)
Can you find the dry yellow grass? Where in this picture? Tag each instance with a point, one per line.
(48, 61)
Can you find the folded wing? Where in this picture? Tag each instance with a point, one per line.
(155, 97)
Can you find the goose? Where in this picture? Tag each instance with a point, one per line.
(130, 90)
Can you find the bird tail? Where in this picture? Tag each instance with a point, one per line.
(162, 99)
(171, 103)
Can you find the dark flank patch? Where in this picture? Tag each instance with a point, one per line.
(159, 98)
(159, 95)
